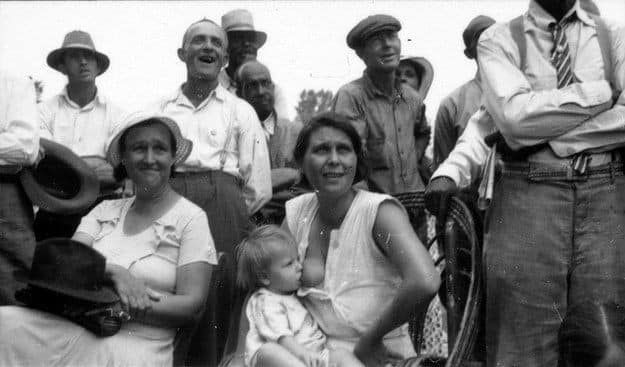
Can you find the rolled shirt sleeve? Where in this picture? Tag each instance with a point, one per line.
(19, 135)
(519, 111)
(466, 161)
(605, 131)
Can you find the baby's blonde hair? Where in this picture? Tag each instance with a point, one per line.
(254, 254)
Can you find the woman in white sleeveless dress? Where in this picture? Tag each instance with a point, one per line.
(364, 269)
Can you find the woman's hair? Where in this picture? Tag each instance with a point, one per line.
(335, 121)
(255, 253)
(119, 172)
(588, 331)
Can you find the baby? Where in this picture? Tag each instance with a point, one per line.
(282, 332)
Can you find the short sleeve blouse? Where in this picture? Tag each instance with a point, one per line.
(179, 237)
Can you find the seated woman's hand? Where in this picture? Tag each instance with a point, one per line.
(135, 296)
(375, 353)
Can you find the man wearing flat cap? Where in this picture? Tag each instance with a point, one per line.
(81, 118)
(19, 147)
(387, 114)
(243, 44)
(456, 109)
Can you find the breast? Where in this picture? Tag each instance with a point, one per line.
(313, 273)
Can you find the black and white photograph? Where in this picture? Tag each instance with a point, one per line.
(312, 183)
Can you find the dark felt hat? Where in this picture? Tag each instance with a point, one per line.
(62, 182)
(77, 40)
(70, 268)
(472, 32)
(369, 26)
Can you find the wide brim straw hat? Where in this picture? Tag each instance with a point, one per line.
(426, 77)
(183, 145)
(77, 40)
(241, 21)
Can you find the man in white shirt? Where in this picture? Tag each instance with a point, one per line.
(19, 147)
(80, 118)
(553, 232)
(227, 173)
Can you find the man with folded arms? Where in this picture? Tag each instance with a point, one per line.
(553, 233)
(81, 118)
(19, 147)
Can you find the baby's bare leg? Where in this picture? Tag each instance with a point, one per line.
(275, 355)
(344, 358)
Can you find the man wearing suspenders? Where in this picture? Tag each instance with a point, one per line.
(227, 173)
(554, 231)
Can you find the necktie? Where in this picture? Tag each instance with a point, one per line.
(560, 56)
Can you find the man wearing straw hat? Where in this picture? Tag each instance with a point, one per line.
(244, 41)
(80, 118)
(19, 147)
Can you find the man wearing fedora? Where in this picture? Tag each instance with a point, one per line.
(80, 118)
(243, 44)
(19, 147)
(386, 113)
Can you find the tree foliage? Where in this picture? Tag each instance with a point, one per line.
(312, 102)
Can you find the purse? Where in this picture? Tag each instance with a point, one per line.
(102, 319)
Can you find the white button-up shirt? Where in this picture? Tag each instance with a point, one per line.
(19, 136)
(227, 136)
(526, 105)
(85, 130)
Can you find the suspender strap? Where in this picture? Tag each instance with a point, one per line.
(603, 36)
(518, 35)
(605, 44)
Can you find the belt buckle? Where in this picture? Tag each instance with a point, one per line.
(579, 164)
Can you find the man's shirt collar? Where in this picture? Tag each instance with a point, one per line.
(373, 89)
(98, 99)
(542, 19)
(178, 97)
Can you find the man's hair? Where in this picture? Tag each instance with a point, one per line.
(186, 32)
(238, 74)
(255, 253)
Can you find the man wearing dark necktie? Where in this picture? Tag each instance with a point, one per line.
(555, 230)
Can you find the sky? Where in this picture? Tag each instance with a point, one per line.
(305, 47)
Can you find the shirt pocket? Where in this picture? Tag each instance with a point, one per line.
(376, 155)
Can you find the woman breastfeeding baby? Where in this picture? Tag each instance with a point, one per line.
(363, 270)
